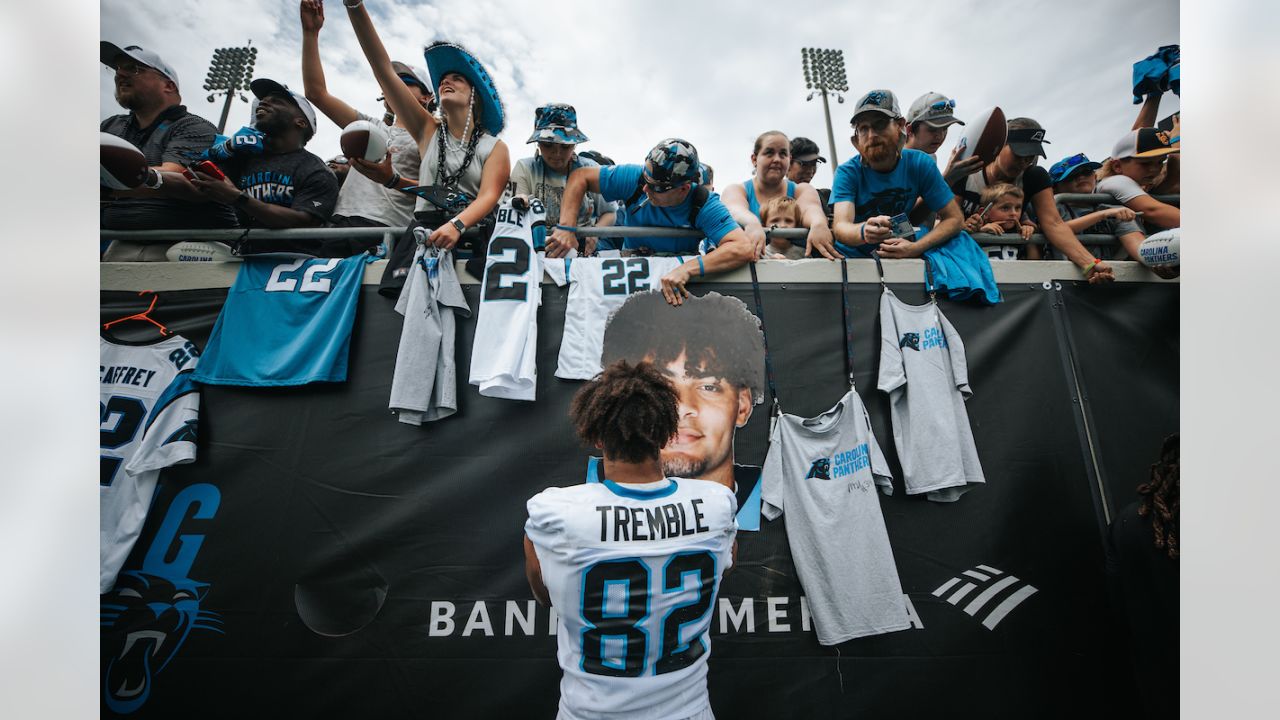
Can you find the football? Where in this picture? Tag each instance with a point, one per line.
(122, 165)
(1161, 249)
(984, 137)
(195, 251)
(363, 139)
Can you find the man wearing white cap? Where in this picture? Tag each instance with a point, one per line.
(1135, 163)
(284, 186)
(169, 136)
(370, 197)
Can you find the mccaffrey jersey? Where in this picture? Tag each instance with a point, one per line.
(504, 352)
(922, 367)
(148, 412)
(633, 571)
(285, 322)
(597, 288)
(823, 472)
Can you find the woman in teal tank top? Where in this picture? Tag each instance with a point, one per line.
(771, 158)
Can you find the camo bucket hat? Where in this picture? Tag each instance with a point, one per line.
(672, 162)
(556, 123)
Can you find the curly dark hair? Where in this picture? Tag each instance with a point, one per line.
(1160, 497)
(717, 334)
(630, 410)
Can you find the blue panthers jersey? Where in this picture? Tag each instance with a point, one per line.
(285, 322)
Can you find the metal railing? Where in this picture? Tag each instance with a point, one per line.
(390, 234)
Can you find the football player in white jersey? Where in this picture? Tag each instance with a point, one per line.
(632, 564)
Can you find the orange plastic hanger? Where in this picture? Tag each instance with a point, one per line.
(144, 315)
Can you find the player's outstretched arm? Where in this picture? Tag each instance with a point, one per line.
(533, 572)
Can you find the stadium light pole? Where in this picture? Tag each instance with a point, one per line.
(230, 71)
(824, 73)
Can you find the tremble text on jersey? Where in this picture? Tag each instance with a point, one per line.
(619, 523)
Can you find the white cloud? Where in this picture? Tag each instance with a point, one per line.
(715, 73)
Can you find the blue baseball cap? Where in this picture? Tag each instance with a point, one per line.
(1066, 167)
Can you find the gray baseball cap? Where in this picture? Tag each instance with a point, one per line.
(933, 109)
(110, 55)
(881, 101)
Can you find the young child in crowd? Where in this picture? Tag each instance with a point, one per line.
(1076, 175)
(1003, 214)
(782, 212)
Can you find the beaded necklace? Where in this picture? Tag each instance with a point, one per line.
(450, 180)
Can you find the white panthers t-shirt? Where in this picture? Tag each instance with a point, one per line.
(597, 288)
(148, 409)
(923, 368)
(504, 352)
(823, 472)
(633, 571)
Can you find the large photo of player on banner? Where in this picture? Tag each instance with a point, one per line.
(712, 349)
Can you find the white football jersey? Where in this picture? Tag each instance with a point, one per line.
(597, 288)
(504, 353)
(633, 571)
(147, 421)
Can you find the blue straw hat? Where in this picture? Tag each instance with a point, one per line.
(446, 57)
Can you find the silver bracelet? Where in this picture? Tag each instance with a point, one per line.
(153, 176)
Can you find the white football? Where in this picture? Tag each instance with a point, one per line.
(363, 139)
(122, 166)
(194, 251)
(1161, 249)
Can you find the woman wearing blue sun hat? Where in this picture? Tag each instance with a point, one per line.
(461, 153)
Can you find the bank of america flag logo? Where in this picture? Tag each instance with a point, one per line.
(996, 595)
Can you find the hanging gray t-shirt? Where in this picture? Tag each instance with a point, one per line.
(823, 472)
(425, 384)
(922, 367)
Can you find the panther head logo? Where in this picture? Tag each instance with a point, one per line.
(910, 340)
(144, 621)
(821, 469)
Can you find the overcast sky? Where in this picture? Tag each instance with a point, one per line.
(715, 73)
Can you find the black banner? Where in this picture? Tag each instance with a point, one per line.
(322, 559)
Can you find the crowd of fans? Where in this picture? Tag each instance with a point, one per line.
(446, 171)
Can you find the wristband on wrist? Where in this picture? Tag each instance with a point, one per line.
(862, 232)
(352, 5)
(1092, 266)
(241, 200)
(393, 182)
(702, 268)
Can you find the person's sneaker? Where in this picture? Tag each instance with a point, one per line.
(193, 251)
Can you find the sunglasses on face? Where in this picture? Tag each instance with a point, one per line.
(872, 126)
(660, 188)
(808, 163)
